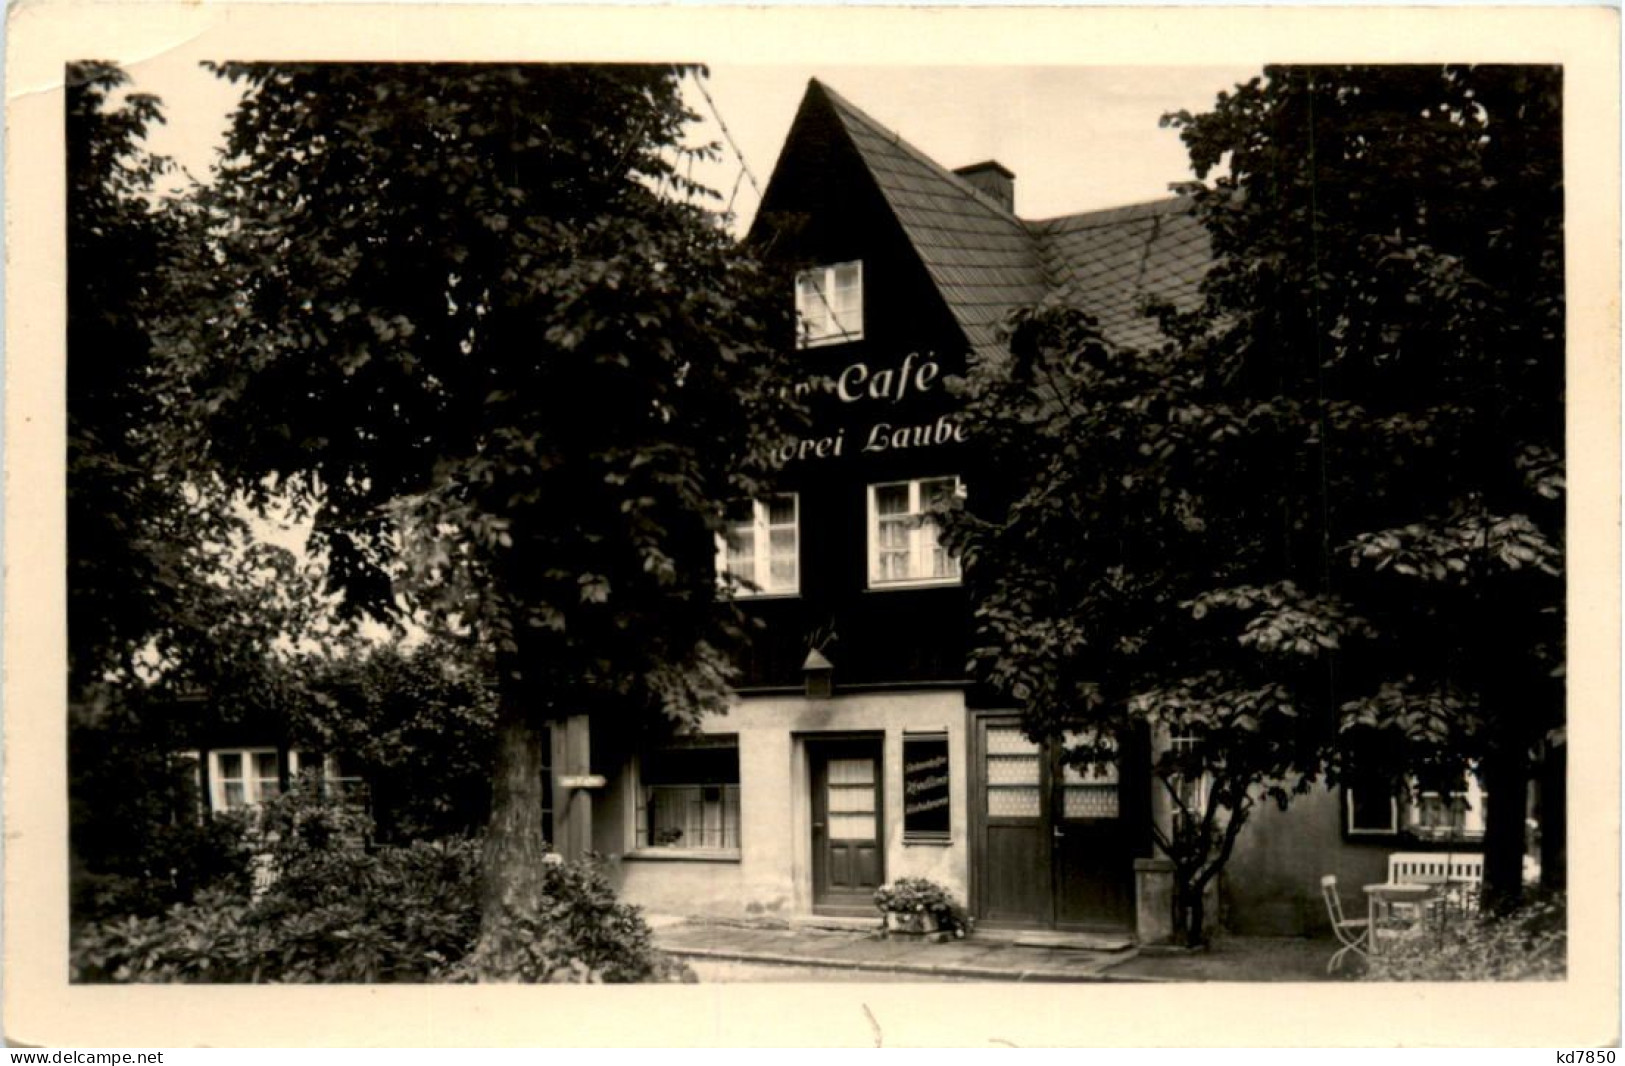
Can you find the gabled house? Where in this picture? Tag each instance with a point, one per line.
(857, 750)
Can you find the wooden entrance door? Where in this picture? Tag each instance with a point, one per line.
(1051, 846)
(847, 827)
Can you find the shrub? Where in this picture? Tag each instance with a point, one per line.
(356, 915)
(136, 840)
(177, 861)
(577, 932)
(332, 908)
(918, 895)
(1531, 944)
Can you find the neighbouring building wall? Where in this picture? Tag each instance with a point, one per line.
(1271, 886)
(771, 876)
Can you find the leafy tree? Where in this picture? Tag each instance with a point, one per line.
(470, 319)
(128, 527)
(167, 592)
(415, 724)
(1319, 530)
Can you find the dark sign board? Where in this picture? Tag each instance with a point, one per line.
(925, 785)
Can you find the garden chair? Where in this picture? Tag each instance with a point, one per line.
(1353, 933)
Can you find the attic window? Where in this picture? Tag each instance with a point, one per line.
(829, 304)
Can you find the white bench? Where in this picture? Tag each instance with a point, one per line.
(1435, 868)
(1460, 875)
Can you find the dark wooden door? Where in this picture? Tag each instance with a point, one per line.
(1051, 845)
(848, 862)
(1093, 850)
(1013, 854)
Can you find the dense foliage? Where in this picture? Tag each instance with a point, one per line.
(164, 583)
(1528, 944)
(168, 594)
(137, 847)
(333, 908)
(128, 531)
(416, 724)
(1320, 529)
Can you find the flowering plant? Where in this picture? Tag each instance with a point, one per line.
(917, 895)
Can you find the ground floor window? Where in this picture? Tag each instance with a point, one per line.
(688, 797)
(1453, 812)
(244, 777)
(247, 777)
(337, 781)
(1445, 811)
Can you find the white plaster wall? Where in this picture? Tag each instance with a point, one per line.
(773, 875)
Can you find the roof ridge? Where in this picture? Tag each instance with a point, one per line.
(843, 104)
(1107, 216)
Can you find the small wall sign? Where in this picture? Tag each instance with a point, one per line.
(926, 786)
(583, 781)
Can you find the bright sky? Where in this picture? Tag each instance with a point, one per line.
(1078, 138)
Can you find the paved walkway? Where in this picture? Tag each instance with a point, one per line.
(974, 959)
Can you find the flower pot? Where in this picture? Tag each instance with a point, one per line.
(911, 923)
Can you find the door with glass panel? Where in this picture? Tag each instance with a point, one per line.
(1050, 844)
(1092, 849)
(847, 841)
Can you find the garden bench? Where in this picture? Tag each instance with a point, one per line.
(1458, 875)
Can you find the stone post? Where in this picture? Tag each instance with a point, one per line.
(1154, 901)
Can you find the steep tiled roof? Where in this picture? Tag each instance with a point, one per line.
(1110, 263)
(982, 258)
(985, 261)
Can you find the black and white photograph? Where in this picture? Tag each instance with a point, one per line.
(692, 519)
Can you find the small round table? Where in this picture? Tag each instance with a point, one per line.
(1380, 900)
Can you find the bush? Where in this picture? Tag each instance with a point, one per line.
(577, 932)
(136, 842)
(917, 895)
(1531, 944)
(331, 908)
(177, 861)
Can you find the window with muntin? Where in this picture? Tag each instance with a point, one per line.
(904, 543)
(760, 552)
(829, 304)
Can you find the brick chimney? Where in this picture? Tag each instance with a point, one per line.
(992, 180)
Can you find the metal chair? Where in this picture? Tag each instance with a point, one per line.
(1353, 933)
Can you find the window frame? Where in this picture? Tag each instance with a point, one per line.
(761, 552)
(916, 551)
(334, 785)
(638, 811)
(1474, 796)
(252, 792)
(823, 278)
(1194, 791)
(1404, 814)
(1352, 830)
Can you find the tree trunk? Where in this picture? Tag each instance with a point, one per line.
(1554, 814)
(1506, 780)
(512, 867)
(1189, 916)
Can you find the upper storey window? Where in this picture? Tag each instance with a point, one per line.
(760, 551)
(904, 548)
(829, 304)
